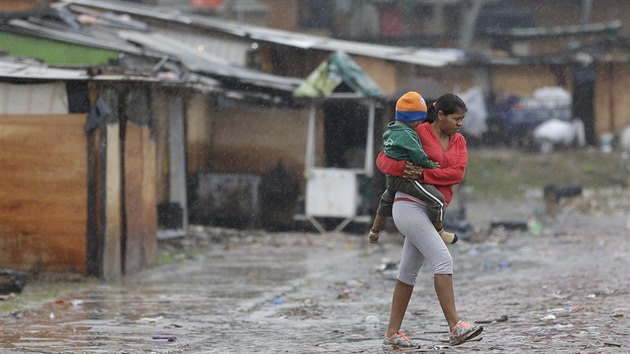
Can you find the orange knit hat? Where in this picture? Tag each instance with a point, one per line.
(411, 107)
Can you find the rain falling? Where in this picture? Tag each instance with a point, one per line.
(314, 176)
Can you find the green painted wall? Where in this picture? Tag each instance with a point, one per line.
(54, 52)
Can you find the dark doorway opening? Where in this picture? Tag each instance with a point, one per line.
(584, 77)
(345, 133)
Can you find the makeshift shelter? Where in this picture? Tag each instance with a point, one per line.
(340, 87)
(78, 160)
(184, 115)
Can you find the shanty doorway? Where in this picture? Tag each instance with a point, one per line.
(337, 185)
(345, 132)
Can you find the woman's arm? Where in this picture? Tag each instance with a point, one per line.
(453, 174)
(389, 166)
(445, 176)
(410, 171)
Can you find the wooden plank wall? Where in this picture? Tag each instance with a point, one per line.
(160, 108)
(43, 192)
(140, 198)
(177, 157)
(234, 149)
(20, 5)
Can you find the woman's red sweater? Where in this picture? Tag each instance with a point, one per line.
(452, 161)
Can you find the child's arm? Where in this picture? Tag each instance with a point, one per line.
(411, 142)
(421, 159)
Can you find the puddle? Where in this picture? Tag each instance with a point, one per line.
(184, 301)
(332, 297)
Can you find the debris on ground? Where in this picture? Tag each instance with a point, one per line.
(12, 281)
(167, 338)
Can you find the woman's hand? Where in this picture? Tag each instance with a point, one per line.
(412, 171)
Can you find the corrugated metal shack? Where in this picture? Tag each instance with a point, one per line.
(248, 143)
(96, 158)
(78, 161)
(231, 135)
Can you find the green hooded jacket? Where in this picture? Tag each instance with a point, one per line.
(400, 142)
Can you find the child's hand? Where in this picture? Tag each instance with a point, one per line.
(436, 164)
(412, 171)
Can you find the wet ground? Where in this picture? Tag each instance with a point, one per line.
(564, 288)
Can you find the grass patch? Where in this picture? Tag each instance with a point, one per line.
(507, 174)
(38, 291)
(26, 298)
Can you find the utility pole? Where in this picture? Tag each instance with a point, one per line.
(467, 31)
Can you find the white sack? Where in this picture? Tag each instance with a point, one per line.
(475, 121)
(560, 132)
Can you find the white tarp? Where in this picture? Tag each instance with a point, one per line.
(475, 121)
(557, 96)
(559, 132)
(625, 139)
(50, 98)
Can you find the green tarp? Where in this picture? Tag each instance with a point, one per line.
(54, 52)
(337, 69)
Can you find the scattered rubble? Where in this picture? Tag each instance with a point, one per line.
(12, 281)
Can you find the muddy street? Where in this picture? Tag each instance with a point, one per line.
(561, 289)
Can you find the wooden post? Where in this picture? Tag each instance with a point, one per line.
(112, 266)
(177, 157)
(94, 197)
(369, 147)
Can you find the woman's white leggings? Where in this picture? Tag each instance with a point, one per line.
(421, 240)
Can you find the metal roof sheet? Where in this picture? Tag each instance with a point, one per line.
(537, 32)
(77, 37)
(30, 71)
(203, 62)
(419, 56)
(160, 43)
(232, 51)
